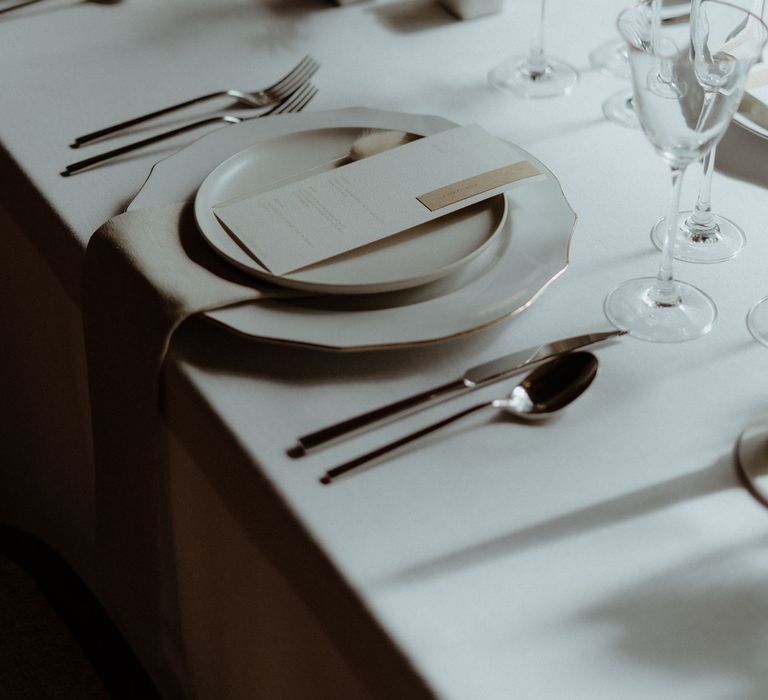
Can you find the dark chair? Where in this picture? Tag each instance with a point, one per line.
(55, 639)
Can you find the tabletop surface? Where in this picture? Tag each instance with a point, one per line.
(609, 553)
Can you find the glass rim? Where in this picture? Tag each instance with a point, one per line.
(654, 52)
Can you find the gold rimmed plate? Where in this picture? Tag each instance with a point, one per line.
(504, 278)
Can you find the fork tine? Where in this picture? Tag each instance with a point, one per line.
(307, 99)
(296, 102)
(289, 75)
(302, 101)
(290, 100)
(288, 86)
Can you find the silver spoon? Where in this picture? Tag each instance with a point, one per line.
(549, 388)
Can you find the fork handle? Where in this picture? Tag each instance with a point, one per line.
(93, 160)
(331, 474)
(18, 6)
(106, 131)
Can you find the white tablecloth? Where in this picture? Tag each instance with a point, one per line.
(611, 553)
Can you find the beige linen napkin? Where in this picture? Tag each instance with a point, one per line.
(145, 272)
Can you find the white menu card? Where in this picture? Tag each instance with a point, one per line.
(322, 216)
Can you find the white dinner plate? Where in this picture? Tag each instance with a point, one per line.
(413, 257)
(528, 254)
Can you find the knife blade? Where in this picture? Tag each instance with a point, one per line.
(473, 378)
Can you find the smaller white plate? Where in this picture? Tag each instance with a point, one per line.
(417, 256)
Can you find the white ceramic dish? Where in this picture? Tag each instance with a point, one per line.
(746, 123)
(760, 93)
(750, 126)
(416, 256)
(504, 279)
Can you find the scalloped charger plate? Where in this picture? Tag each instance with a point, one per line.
(529, 252)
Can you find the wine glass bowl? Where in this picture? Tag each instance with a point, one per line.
(680, 118)
(685, 94)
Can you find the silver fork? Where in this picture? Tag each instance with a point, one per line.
(265, 97)
(293, 103)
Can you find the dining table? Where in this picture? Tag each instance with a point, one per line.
(612, 551)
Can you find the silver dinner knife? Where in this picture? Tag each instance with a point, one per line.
(474, 378)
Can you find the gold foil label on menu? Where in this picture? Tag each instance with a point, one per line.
(463, 189)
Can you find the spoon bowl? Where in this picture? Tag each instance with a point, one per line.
(546, 390)
(551, 386)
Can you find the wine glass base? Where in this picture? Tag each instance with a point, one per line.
(752, 458)
(718, 244)
(513, 76)
(630, 307)
(611, 58)
(757, 321)
(619, 109)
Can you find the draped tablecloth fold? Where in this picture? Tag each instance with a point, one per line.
(145, 272)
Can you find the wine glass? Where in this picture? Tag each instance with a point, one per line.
(613, 58)
(619, 108)
(685, 96)
(534, 75)
(706, 237)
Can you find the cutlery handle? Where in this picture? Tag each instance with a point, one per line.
(482, 375)
(308, 442)
(331, 474)
(18, 6)
(94, 160)
(106, 131)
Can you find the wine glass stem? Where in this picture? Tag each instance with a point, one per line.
(664, 292)
(655, 23)
(535, 64)
(665, 65)
(701, 217)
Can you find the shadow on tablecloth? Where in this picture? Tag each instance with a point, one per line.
(743, 155)
(717, 477)
(705, 618)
